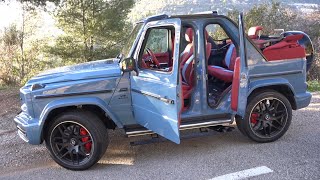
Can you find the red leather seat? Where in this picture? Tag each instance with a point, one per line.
(253, 32)
(186, 63)
(225, 74)
(288, 48)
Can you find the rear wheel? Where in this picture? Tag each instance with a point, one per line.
(77, 140)
(268, 117)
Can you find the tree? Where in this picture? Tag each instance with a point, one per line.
(93, 29)
(269, 16)
(20, 49)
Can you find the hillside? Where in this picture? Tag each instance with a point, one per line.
(145, 8)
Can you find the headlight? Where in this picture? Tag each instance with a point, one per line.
(26, 101)
(37, 86)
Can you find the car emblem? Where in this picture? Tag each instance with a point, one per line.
(267, 117)
(73, 142)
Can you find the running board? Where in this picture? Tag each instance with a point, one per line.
(182, 127)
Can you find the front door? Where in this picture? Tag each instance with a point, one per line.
(156, 89)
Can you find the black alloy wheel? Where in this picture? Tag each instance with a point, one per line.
(76, 139)
(268, 116)
(72, 143)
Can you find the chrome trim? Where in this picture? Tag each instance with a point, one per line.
(182, 127)
(72, 94)
(164, 99)
(275, 74)
(22, 135)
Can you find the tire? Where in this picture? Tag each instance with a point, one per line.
(77, 140)
(240, 125)
(267, 118)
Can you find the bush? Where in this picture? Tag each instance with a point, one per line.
(313, 86)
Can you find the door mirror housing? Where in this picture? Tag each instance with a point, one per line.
(128, 65)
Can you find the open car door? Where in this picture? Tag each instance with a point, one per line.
(155, 94)
(239, 92)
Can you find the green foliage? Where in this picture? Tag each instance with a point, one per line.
(269, 16)
(20, 50)
(216, 32)
(274, 16)
(313, 85)
(158, 40)
(93, 29)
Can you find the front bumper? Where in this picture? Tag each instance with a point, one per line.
(28, 128)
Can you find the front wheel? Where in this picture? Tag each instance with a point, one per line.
(268, 117)
(76, 140)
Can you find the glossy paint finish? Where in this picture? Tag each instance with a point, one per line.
(102, 84)
(243, 65)
(155, 100)
(90, 83)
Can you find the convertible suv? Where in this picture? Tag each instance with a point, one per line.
(175, 73)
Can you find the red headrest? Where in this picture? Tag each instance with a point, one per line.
(296, 37)
(206, 34)
(189, 35)
(254, 30)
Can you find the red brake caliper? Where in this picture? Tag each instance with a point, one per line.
(254, 117)
(88, 145)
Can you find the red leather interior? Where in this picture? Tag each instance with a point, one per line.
(235, 85)
(221, 73)
(253, 32)
(143, 64)
(225, 74)
(288, 48)
(162, 57)
(186, 65)
(208, 46)
(189, 35)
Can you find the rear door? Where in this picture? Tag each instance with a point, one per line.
(156, 95)
(239, 90)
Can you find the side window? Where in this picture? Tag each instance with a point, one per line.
(157, 48)
(158, 40)
(223, 51)
(216, 32)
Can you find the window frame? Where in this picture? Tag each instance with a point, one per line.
(147, 38)
(142, 45)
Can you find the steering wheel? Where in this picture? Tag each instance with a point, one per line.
(153, 58)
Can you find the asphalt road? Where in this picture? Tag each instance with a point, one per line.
(295, 156)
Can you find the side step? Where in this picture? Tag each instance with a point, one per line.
(143, 131)
(203, 132)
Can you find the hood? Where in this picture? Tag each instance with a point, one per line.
(89, 70)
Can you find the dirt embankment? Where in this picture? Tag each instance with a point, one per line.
(9, 107)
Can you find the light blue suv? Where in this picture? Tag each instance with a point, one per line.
(175, 73)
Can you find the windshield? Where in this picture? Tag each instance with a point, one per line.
(130, 41)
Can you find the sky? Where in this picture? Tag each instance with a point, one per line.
(12, 13)
(9, 12)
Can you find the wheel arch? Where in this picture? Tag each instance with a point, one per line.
(95, 105)
(283, 87)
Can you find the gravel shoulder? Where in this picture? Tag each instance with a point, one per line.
(294, 156)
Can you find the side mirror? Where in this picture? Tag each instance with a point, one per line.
(128, 65)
